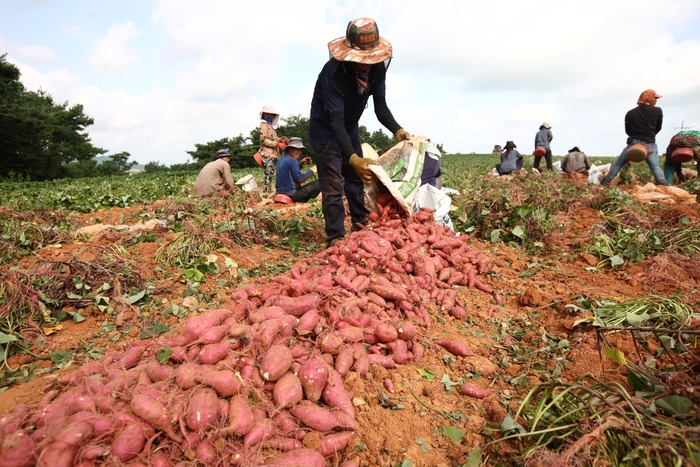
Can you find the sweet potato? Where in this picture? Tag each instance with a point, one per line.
(313, 376)
(308, 322)
(262, 429)
(296, 306)
(297, 458)
(330, 343)
(224, 382)
(455, 348)
(129, 442)
(185, 375)
(155, 413)
(473, 391)
(213, 353)
(202, 410)
(287, 391)
(268, 332)
(159, 372)
(214, 334)
(102, 426)
(196, 325)
(334, 394)
(344, 361)
(330, 444)
(132, 356)
(240, 417)
(314, 416)
(17, 449)
(381, 360)
(276, 362)
(283, 444)
(207, 454)
(265, 313)
(386, 332)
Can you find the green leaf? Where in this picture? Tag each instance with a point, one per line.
(635, 319)
(616, 260)
(454, 433)
(5, 338)
(135, 298)
(77, 317)
(163, 355)
(427, 374)
(60, 356)
(508, 425)
(474, 458)
(495, 235)
(449, 384)
(636, 382)
(675, 405)
(518, 231)
(616, 355)
(668, 341)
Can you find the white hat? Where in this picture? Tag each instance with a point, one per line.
(269, 109)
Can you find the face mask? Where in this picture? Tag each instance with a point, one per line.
(268, 118)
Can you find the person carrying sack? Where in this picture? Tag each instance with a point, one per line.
(356, 70)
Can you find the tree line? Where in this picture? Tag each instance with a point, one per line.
(44, 140)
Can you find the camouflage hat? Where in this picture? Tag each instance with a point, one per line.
(361, 43)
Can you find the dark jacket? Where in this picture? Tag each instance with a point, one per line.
(643, 123)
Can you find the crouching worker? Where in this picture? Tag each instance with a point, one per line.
(576, 163)
(511, 160)
(215, 177)
(289, 176)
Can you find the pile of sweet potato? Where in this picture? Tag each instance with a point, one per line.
(259, 382)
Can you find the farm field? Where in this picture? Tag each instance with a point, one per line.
(581, 321)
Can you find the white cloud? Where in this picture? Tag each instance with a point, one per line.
(33, 54)
(113, 53)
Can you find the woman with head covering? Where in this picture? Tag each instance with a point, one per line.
(355, 71)
(642, 125)
(511, 160)
(270, 144)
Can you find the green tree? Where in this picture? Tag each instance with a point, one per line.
(39, 138)
(117, 164)
(238, 147)
(154, 166)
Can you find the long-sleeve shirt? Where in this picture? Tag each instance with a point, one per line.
(268, 140)
(289, 175)
(542, 138)
(643, 123)
(509, 160)
(214, 176)
(575, 162)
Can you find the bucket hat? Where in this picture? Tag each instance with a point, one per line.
(269, 109)
(222, 153)
(295, 142)
(510, 145)
(361, 44)
(546, 125)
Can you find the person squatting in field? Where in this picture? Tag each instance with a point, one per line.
(575, 162)
(290, 179)
(688, 139)
(542, 139)
(270, 144)
(355, 71)
(511, 160)
(642, 124)
(215, 177)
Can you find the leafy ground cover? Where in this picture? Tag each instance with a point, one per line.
(586, 352)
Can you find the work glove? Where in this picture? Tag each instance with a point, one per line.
(402, 135)
(361, 166)
(281, 145)
(268, 143)
(284, 139)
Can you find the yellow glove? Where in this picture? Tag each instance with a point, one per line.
(361, 166)
(402, 135)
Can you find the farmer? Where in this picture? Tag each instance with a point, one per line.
(270, 144)
(355, 71)
(689, 139)
(289, 176)
(642, 124)
(215, 177)
(511, 160)
(576, 162)
(542, 139)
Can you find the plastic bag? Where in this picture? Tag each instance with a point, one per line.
(433, 198)
(596, 173)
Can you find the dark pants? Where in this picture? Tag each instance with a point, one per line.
(306, 192)
(336, 177)
(547, 157)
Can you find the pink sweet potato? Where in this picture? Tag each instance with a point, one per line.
(213, 353)
(335, 395)
(214, 334)
(455, 348)
(268, 332)
(314, 416)
(132, 356)
(159, 372)
(406, 330)
(207, 453)
(265, 313)
(386, 332)
(240, 417)
(473, 391)
(296, 306)
(308, 322)
(330, 343)
(287, 391)
(330, 444)
(313, 376)
(196, 325)
(155, 413)
(300, 457)
(262, 429)
(283, 444)
(381, 360)
(344, 361)
(17, 449)
(129, 442)
(224, 382)
(202, 410)
(276, 362)
(185, 375)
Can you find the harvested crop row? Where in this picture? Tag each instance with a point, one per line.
(243, 385)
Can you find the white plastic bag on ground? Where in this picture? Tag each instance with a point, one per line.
(432, 198)
(597, 172)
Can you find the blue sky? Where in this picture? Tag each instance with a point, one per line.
(159, 76)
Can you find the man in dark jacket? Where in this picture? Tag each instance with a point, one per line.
(642, 125)
(356, 70)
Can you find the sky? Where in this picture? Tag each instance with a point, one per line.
(159, 76)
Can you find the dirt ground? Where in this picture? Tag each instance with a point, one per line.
(506, 339)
